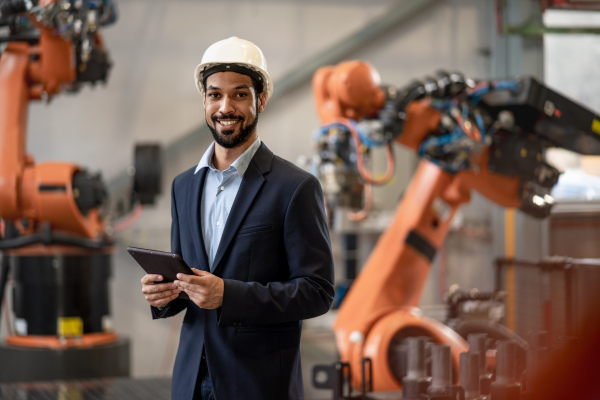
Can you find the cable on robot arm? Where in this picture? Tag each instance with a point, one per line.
(76, 21)
(464, 128)
(442, 86)
(341, 166)
(365, 140)
(69, 18)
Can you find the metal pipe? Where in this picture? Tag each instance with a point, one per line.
(477, 345)
(506, 361)
(416, 381)
(506, 386)
(441, 369)
(469, 375)
(416, 358)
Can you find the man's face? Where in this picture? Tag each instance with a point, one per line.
(232, 107)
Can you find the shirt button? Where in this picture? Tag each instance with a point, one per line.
(218, 223)
(222, 187)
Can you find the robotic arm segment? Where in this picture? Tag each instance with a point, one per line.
(393, 114)
(343, 95)
(14, 96)
(348, 90)
(66, 52)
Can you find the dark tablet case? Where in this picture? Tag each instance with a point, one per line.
(161, 263)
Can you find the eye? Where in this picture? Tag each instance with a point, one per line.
(241, 95)
(212, 95)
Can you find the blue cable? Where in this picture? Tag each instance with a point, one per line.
(367, 141)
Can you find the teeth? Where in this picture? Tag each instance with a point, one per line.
(227, 123)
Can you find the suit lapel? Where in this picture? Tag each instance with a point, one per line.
(195, 201)
(251, 184)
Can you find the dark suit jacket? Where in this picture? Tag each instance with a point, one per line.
(275, 259)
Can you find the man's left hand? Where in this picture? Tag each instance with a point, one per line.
(204, 289)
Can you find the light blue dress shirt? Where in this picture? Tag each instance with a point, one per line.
(220, 190)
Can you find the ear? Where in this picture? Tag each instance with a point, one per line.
(262, 98)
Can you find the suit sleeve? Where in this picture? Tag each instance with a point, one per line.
(176, 305)
(308, 291)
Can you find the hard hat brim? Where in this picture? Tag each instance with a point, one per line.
(201, 68)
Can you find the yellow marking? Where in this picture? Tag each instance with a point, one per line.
(68, 391)
(523, 152)
(596, 126)
(509, 250)
(70, 327)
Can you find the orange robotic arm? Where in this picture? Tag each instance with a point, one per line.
(37, 67)
(50, 216)
(457, 127)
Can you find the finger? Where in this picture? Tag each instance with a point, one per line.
(183, 285)
(162, 295)
(192, 287)
(163, 302)
(166, 296)
(161, 287)
(151, 278)
(185, 277)
(189, 278)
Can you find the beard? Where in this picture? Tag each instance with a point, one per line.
(228, 138)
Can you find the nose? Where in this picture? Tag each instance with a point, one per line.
(226, 106)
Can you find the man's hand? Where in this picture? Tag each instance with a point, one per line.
(158, 294)
(204, 288)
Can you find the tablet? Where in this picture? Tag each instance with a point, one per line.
(161, 263)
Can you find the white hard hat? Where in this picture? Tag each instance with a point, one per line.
(237, 55)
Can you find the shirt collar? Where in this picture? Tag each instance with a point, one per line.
(240, 164)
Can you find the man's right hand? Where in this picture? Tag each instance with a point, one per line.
(158, 294)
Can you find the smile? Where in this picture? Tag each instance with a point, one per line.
(228, 122)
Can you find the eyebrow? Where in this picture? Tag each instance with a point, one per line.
(211, 87)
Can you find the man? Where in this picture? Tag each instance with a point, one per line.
(252, 226)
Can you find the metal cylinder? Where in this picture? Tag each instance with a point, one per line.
(469, 375)
(506, 386)
(416, 358)
(477, 345)
(416, 381)
(506, 361)
(441, 369)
